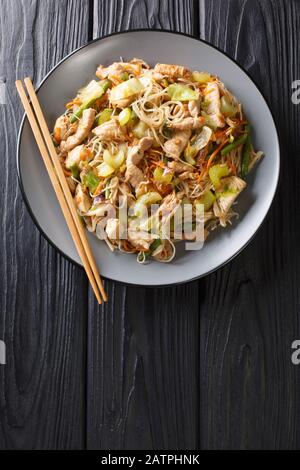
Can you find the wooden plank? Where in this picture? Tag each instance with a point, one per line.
(143, 345)
(250, 311)
(43, 298)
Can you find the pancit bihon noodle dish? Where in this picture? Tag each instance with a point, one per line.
(154, 140)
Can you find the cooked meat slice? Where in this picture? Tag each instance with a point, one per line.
(186, 175)
(174, 71)
(110, 130)
(168, 207)
(71, 184)
(61, 128)
(115, 71)
(126, 193)
(133, 174)
(83, 130)
(177, 143)
(194, 108)
(76, 155)
(82, 200)
(112, 228)
(145, 143)
(212, 97)
(140, 239)
(140, 62)
(231, 187)
(188, 123)
(136, 153)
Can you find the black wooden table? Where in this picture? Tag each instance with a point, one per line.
(203, 365)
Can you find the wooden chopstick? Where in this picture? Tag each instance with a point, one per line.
(62, 179)
(58, 191)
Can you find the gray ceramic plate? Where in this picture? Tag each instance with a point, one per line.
(77, 69)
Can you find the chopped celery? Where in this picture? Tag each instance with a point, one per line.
(124, 76)
(201, 77)
(75, 171)
(114, 161)
(209, 121)
(182, 92)
(125, 116)
(160, 177)
(140, 130)
(207, 199)
(217, 172)
(146, 200)
(91, 181)
(89, 95)
(227, 108)
(189, 153)
(93, 90)
(105, 170)
(104, 116)
(126, 89)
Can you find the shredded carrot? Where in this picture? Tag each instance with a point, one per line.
(157, 163)
(215, 153)
(76, 101)
(202, 174)
(220, 133)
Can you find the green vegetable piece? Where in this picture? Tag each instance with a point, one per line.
(91, 181)
(124, 76)
(189, 153)
(104, 116)
(246, 155)
(146, 200)
(102, 88)
(75, 171)
(125, 116)
(217, 172)
(167, 131)
(140, 130)
(182, 92)
(201, 77)
(207, 199)
(160, 177)
(240, 141)
(116, 160)
(126, 89)
(154, 245)
(105, 170)
(227, 108)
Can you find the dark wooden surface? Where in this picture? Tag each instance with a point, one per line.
(203, 365)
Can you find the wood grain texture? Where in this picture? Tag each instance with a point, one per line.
(250, 312)
(143, 346)
(42, 296)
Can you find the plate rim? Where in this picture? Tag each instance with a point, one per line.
(155, 30)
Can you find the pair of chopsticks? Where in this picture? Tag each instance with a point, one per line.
(46, 147)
